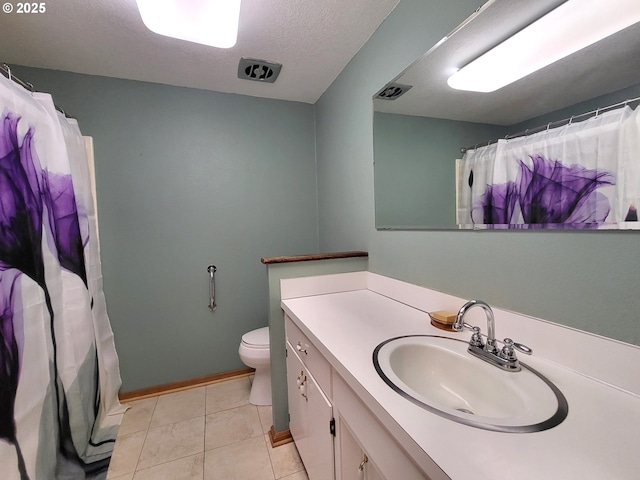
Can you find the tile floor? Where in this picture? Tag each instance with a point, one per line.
(205, 433)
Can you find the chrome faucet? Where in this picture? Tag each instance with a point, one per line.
(459, 324)
(506, 357)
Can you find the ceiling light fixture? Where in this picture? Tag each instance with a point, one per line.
(572, 26)
(209, 22)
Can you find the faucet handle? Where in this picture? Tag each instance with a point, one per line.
(507, 352)
(521, 348)
(476, 337)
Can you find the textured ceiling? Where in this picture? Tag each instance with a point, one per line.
(607, 66)
(313, 39)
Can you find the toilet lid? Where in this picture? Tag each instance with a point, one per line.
(257, 338)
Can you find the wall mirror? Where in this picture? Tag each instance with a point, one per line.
(419, 135)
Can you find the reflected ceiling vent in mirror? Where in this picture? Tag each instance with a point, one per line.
(393, 91)
(258, 70)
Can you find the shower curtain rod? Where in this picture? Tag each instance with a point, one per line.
(6, 71)
(557, 123)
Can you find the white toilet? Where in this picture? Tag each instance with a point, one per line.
(254, 352)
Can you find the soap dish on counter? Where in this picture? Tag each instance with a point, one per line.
(443, 319)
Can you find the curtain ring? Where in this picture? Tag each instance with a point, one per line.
(548, 125)
(597, 112)
(570, 120)
(8, 68)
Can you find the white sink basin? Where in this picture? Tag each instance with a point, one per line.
(439, 374)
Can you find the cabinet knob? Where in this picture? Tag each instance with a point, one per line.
(300, 349)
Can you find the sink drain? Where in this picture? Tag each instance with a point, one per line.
(464, 410)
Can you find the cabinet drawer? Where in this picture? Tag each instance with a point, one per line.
(309, 355)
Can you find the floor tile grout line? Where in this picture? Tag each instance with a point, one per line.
(178, 458)
(273, 468)
(255, 410)
(190, 417)
(178, 393)
(204, 438)
(146, 433)
(204, 416)
(226, 409)
(235, 443)
(167, 462)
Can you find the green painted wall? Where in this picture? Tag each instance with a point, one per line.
(587, 280)
(188, 178)
(414, 178)
(583, 107)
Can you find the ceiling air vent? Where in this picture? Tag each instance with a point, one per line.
(258, 70)
(393, 91)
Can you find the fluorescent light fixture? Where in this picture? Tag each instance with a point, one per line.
(572, 26)
(209, 22)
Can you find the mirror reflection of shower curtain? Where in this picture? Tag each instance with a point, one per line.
(59, 373)
(477, 170)
(581, 175)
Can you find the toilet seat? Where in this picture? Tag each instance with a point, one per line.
(257, 338)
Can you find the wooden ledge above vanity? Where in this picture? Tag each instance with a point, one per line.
(313, 256)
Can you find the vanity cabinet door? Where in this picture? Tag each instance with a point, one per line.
(310, 418)
(387, 459)
(352, 462)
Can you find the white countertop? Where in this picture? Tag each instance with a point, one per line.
(599, 439)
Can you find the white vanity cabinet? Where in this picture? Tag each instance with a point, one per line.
(310, 411)
(318, 397)
(352, 461)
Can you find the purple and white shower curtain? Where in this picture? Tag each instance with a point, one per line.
(583, 175)
(59, 372)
